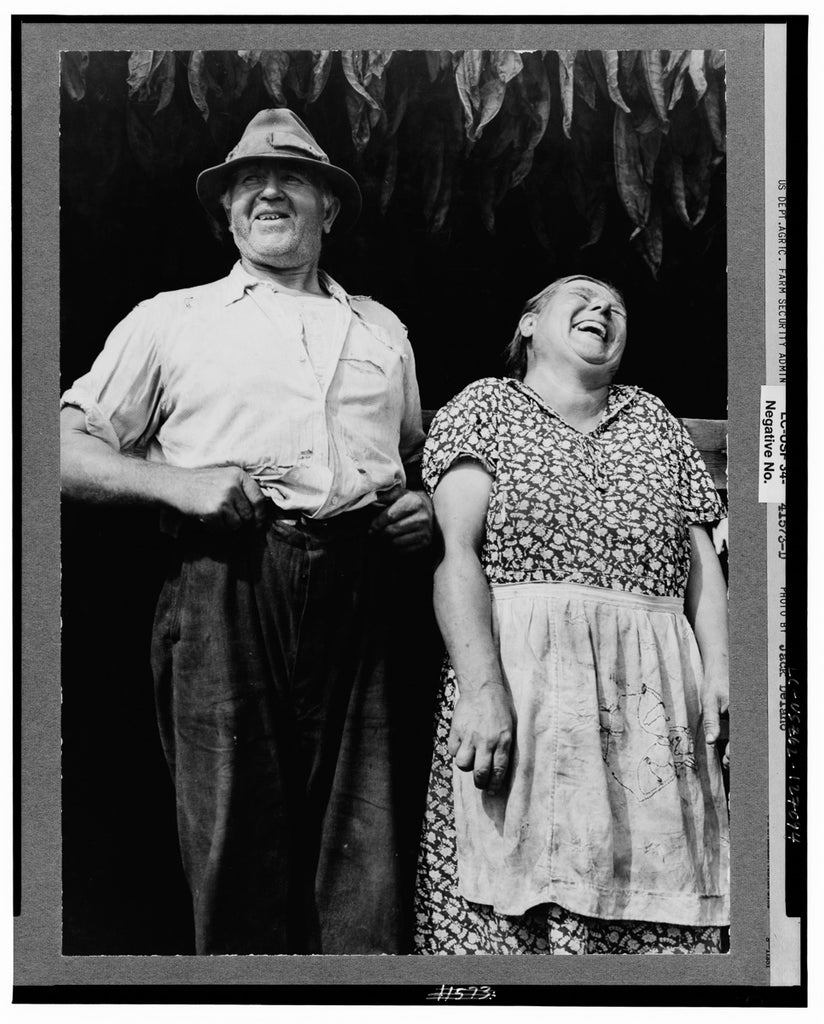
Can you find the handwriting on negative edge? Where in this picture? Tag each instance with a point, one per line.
(461, 993)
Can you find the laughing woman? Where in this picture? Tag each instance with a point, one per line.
(576, 803)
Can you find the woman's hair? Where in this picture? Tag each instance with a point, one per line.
(515, 353)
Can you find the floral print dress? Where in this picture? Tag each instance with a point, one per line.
(612, 832)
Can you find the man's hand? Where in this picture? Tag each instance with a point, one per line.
(221, 497)
(407, 521)
(483, 725)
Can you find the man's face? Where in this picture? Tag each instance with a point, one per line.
(278, 214)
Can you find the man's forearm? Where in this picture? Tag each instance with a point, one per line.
(224, 497)
(90, 470)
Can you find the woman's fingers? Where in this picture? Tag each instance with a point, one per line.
(712, 722)
(465, 756)
(500, 765)
(488, 764)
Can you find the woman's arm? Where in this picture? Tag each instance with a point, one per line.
(706, 608)
(483, 720)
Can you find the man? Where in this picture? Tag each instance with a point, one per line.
(281, 426)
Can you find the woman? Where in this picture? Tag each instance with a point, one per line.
(584, 613)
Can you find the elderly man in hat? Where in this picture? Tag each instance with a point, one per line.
(280, 425)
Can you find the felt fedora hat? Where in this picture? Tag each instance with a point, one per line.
(280, 135)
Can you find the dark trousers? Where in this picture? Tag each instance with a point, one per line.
(284, 662)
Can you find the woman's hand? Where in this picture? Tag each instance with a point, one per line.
(716, 704)
(483, 726)
(705, 604)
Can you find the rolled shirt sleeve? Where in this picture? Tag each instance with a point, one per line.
(121, 395)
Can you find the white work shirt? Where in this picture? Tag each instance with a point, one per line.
(220, 375)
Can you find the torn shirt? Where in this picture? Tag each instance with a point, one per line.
(221, 375)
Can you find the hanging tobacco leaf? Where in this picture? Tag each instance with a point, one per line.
(437, 61)
(230, 74)
(166, 72)
(364, 73)
(433, 147)
(142, 64)
(633, 189)
(198, 82)
(358, 114)
(494, 184)
(274, 64)
(537, 217)
(677, 77)
(611, 64)
(585, 174)
(677, 188)
(674, 59)
(439, 136)
(73, 65)
(532, 86)
(298, 76)
(504, 134)
(506, 64)
(468, 80)
(482, 85)
(589, 196)
(595, 60)
(717, 59)
(584, 79)
(627, 78)
(401, 101)
(376, 63)
(321, 67)
(649, 148)
(444, 200)
(361, 67)
(649, 241)
(696, 72)
(566, 71)
(152, 73)
(654, 78)
(713, 109)
(390, 174)
(597, 219)
(698, 179)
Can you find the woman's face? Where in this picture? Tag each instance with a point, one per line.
(584, 325)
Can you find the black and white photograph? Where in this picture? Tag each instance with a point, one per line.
(403, 592)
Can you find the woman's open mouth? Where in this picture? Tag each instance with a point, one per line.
(592, 327)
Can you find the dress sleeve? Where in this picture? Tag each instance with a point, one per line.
(700, 501)
(120, 396)
(465, 428)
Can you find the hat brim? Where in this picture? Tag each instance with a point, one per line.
(212, 183)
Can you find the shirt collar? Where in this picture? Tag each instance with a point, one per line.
(240, 280)
(620, 396)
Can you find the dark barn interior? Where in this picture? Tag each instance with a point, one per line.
(458, 230)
